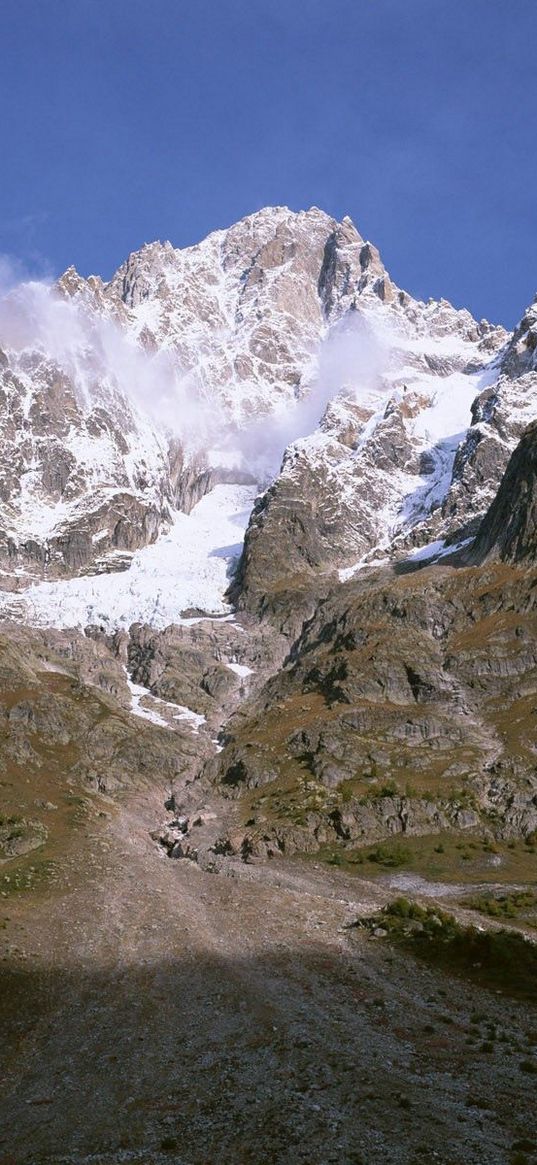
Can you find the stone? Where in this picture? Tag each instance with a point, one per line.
(509, 529)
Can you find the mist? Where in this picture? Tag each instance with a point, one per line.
(102, 362)
(14, 272)
(351, 360)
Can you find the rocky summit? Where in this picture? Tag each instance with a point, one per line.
(268, 684)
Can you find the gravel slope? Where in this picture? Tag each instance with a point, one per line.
(159, 1013)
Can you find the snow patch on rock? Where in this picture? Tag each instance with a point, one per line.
(186, 570)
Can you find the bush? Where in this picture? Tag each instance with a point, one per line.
(389, 789)
(403, 908)
(503, 905)
(388, 855)
(501, 959)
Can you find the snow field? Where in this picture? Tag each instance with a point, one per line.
(189, 567)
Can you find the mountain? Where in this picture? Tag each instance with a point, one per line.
(267, 543)
(273, 385)
(124, 402)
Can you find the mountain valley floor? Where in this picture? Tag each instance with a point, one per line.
(156, 1012)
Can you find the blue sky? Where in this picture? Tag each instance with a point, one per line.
(129, 120)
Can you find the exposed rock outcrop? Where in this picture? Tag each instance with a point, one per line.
(405, 705)
(509, 529)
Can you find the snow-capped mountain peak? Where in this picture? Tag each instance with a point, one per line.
(125, 401)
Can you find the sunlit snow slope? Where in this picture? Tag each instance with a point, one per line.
(186, 570)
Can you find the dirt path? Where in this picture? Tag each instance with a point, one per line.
(158, 1013)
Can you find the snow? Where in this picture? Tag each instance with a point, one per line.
(195, 719)
(138, 694)
(432, 550)
(186, 340)
(348, 572)
(175, 711)
(189, 567)
(437, 549)
(240, 669)
(449, 413)
(447, 345)
(436, 428)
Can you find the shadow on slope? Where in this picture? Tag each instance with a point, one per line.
(279, 1059)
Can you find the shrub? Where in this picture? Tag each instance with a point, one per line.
(388, 854)
(388, 789)
(404, 908)
(503, 905)
(501, 959)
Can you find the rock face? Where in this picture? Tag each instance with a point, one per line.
(67, 731)
(414, 455)
(404, 707)
(379, 474)
(509, 529)
(208, 667)
(79, 481)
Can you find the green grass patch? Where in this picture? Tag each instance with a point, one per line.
(27, 877)
(447, 857)
(517, 904)
(501, 960)
(389, 854)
